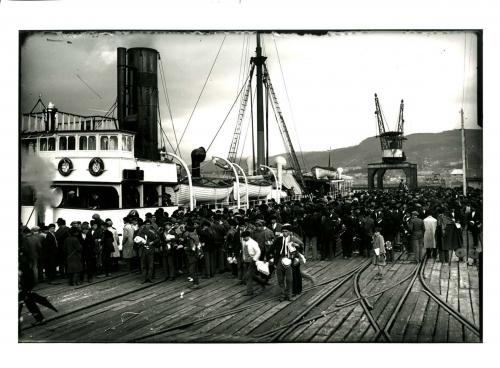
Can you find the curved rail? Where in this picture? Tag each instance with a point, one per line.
(367, 307)
(233, 310)
(283, 330)
(464, 321)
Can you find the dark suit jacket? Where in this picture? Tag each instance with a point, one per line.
(278, 244)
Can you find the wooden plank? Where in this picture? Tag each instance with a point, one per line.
(399, 326)
(429, 322)
(455, 333)
(474, 293)
(343, 333)
(416, 319)
(463, 274)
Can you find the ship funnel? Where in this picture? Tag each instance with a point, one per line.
(197, 157)
(137, 102)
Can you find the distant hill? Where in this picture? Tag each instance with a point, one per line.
(437, 152)
(430, 151)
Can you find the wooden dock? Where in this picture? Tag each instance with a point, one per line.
(396, 308)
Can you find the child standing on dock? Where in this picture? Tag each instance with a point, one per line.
(379, 251)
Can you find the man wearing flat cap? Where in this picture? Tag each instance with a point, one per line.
(284, 250)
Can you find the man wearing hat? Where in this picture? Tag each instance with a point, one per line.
(251, 254)
(284, 249)
(107, 247)
(32, 250)
(61, 234)
(168, 244)
(73, 251)
(416, 229)
(128, 242)
(50, 253)
(264, 238)
(146, 250)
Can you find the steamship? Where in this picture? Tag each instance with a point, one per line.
(98, 164)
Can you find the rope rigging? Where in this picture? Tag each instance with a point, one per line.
(250, 124)
(167, 100)
(289, 104)
(203, 88)
(162, 131)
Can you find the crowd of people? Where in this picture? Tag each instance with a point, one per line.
(252, 245)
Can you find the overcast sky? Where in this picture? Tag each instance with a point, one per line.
(330, 81)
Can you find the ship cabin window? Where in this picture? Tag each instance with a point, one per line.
(63, 143)
(87, 142)
(71, 143)
(109, 143)
(48, 144)
(83, 143)
(43, 144)
(29, 146)
(67, 143)
(127, 143)
(92, 142)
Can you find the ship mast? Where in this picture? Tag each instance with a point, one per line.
(464, 158)
(259, 62)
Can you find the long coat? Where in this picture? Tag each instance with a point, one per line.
(73, 251)
(128, 242)
(430, 224)
(452, 237)
(416, 228)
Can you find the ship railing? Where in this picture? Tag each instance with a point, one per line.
(253, 202)
(63, 121)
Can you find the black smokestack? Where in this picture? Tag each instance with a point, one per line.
(197, 157)
(121, 78)
(142, 101)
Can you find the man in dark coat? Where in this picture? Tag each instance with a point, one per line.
(50, 253)
(207, 240)
(416, 229)
(367, 228)
(89, 252)
(219, 231)
(284, 247)
(147, 249)
(107, 247)
(73, 251)
(61, 234)
(168, 245)
(474, 224)
(347, 234)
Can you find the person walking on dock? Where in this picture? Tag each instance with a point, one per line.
(251, 254)
(283, 249)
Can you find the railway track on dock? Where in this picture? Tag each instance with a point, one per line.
(347, 305)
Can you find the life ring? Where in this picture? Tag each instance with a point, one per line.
(65, 166)
(96, 166)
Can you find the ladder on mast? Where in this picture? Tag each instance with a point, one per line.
(283, 129)
(231, 157)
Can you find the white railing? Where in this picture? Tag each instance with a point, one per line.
(37, 122)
